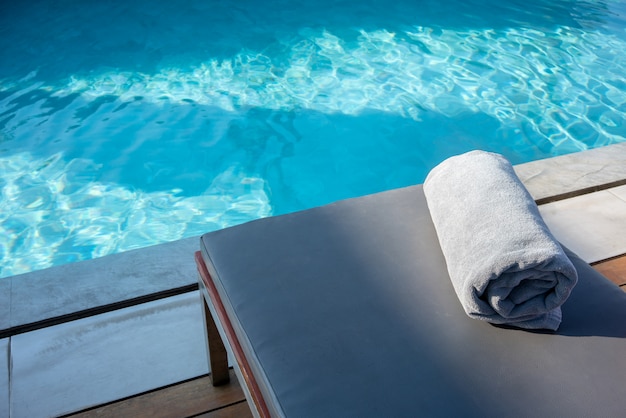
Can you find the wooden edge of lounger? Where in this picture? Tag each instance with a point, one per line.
(233, 341)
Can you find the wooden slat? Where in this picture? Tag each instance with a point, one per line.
(240, 410)
(218, 358)
(614, 270)
(186, 399)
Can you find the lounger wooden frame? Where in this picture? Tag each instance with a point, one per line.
(219, 335)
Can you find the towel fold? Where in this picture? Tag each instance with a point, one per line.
(505, 265)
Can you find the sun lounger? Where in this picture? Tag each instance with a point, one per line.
(348, 310)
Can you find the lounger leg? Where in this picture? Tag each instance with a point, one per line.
(218, 359)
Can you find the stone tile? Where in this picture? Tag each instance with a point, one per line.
(5, 303)
(72, 366)
(572, 172)
(592, 225)
(5, 362)
(619, 192)
(87, 284)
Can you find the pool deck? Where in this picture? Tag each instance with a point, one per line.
(91, 333)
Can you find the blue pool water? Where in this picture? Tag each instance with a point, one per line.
(128, 123)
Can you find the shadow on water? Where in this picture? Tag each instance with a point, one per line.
(306, 158)
(85, 177)
(63, 38)
(107, 94)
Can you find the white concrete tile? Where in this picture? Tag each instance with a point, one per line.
(5, 303)
(88, 362)
(5, 368)
(69, 288)
(571, 172)
(592, 225)
(619, 192)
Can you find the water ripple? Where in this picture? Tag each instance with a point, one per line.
(48, 217)
(562, 89)
(501, 73)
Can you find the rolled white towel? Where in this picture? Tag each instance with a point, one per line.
(504, 263)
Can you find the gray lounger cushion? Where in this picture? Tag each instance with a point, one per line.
(348, 310)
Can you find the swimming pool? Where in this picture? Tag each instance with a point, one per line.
(129, 123)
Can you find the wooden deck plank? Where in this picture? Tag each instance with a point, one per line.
(614, 270)
(239, 410)
(186, 399)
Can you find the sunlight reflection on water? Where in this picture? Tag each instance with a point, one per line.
(116, 159)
